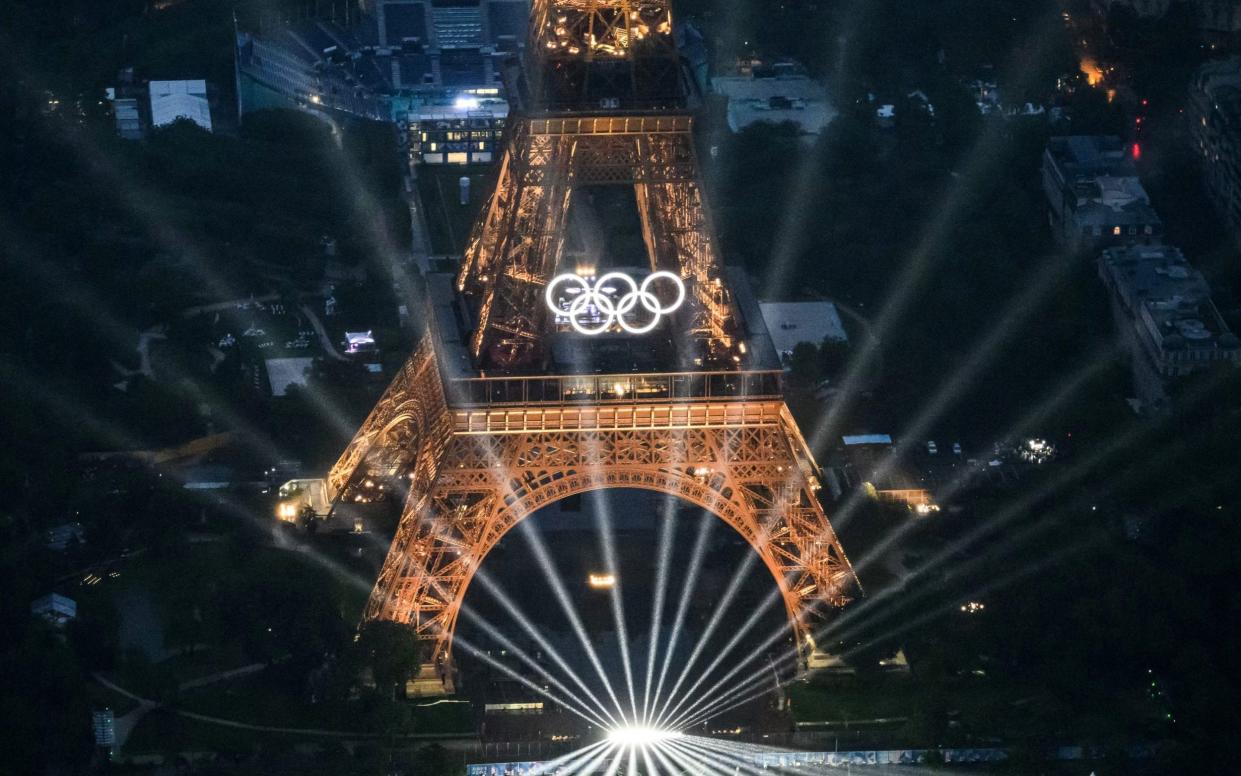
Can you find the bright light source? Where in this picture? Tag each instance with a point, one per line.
(597, 306)
(640, 736)
(465, 103)
(602, 581)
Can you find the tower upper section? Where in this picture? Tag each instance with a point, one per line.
(610, 55)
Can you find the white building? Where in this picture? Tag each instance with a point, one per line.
(56, 609)
(789, 323)
(777, 94)
(285, 372)
(59, 537)
(172, 100)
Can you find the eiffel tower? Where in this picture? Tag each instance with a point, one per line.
(506, 406)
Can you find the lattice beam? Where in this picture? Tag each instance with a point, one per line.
(752, 475)
(400, 441)
(517, 246)
(617, 51)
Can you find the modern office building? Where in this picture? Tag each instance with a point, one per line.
(435, 68)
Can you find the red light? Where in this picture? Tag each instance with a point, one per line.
(1145, 101)
(1138, 120)
(1137, 151)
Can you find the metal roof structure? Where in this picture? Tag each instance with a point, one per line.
(172, 100)
(789, 323)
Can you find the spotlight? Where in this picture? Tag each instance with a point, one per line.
(640, 736)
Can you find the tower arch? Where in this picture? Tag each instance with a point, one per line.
(751, 476)
(479, 429)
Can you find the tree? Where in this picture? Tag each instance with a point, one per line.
(833, 355)
(392, 652)
(435, 760)
(805, 363)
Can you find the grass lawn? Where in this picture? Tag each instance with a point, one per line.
(104, 698)
(443, 718)
(204, 662)
(812, 702)
(162, 731)
(449, 221)
(170, 582)
(273, 698)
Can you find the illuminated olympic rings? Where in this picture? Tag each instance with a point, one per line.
(612, 310)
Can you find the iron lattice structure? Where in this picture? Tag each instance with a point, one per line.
(516, 246)
(474, 473)
(603, 54)
(468, 472)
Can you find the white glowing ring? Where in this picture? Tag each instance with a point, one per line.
(613, 311)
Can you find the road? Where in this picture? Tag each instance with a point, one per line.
(324, 339)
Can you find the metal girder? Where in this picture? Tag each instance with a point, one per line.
(516, 246)
(477, 474)
(588, 51)
(399, 442)
(468, 474)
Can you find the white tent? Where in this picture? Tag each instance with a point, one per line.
(172, 100)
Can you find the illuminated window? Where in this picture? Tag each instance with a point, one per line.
(1115, 230)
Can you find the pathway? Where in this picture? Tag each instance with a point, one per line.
(190, 312)
(324, 339)
(220, 676)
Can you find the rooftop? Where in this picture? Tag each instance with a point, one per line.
(172, 100)
(54, 606)
(1091, 156)
(285, 372)
(404, 51)
(777, 94)
(59, 537)
(1100, 174)
(789, 323)
(866, 439)
(1175, 297)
